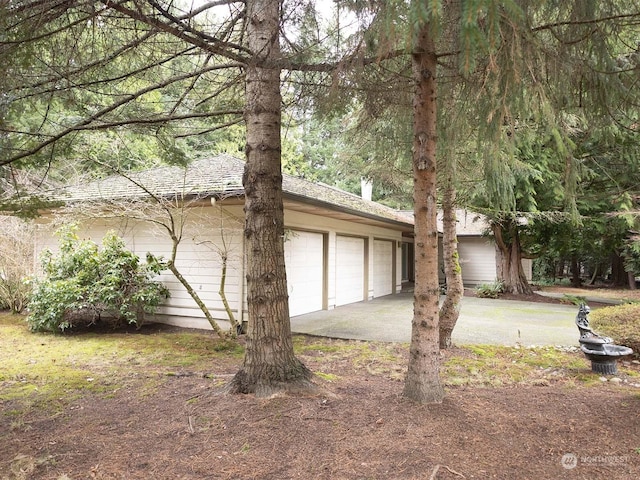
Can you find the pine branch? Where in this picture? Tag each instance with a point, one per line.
(157, 120)
(100, 63)
(593, 21)
(231, 51)
(88, 123)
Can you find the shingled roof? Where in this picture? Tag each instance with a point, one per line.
(468, 223)
(221, 176)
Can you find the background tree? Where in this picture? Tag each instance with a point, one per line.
(565, 77)
(607, 193)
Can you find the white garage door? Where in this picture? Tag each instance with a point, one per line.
(304, 260)
(382, 268)
(349, 270)
(477, 260)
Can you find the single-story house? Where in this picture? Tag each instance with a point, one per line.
(476, 249)
(339, 248)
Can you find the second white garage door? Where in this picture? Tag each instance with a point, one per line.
(304, 260)
(349, 270)
(382, 268)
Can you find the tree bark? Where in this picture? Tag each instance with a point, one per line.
(450, 310)
(576, 281)
(619, 277)
(270, 365)
(422, 383)
(509, 260)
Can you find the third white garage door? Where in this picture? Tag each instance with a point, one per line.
(349, 270)
(304, 259)
(382, 268)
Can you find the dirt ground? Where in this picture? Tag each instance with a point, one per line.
(179, 426)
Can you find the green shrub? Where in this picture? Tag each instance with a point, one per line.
(620, 322)
(490, 290)
(83, 283)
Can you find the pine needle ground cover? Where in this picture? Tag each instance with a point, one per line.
(148, 403)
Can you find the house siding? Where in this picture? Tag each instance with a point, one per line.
(477, 256)
(200, 263)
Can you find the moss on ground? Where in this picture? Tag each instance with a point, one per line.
(620, 322)
(49, 372)
(46, 371)
(492, 365)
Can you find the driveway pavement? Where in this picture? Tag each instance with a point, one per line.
(482, 321)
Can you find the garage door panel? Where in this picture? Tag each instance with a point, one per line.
(382, 268)
(349, 270)
(477, 260)
(304, 260)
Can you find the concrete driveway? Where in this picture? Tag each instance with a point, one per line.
(482, 321)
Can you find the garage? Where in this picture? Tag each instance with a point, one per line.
(477, 260)
(382, 268)
(304, 260)
(350, 270)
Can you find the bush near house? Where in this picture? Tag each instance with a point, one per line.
(84, 284)
(620, 322)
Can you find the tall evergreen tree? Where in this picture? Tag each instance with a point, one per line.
(178, 74)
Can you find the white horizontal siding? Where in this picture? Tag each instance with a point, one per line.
(198, 259)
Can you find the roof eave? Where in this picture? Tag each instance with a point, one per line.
(347, 210)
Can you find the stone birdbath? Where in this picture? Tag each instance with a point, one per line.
(602, 352)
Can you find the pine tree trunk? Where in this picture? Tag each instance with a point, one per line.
(422, 383)
(269, 364)
(509, 261)
(450, 310)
